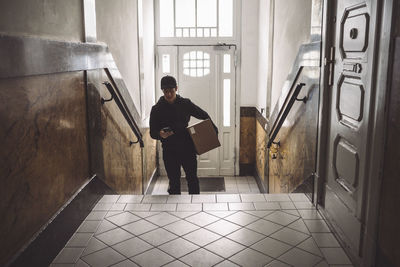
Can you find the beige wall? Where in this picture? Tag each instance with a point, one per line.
(292, 25)
(117, 27)
(55, 19)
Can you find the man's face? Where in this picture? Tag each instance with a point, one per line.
(170, 94)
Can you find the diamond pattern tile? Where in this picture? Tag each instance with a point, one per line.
(123, 218)
(245, 236)
(158, 237)
(126, 263)
(154, 257)
(88, 226)
(183, 214)
(297, 257)
(181, 227)
(202, 219)
(259, 213)
(162, 219)
(290, 236)
(222, 227)
(226, 263)
(132, 247)
(299, 225)
(241, 218)
(201, 237)
(201, 258)
(224, 247)
(103, 258)
(309, 245)
(250, 257)
(271, 247)
(114, 236)
(79, 240)
(178, 247)
(139, 227)
(105, 226)
(264, 227)
(281, 218)
(93, 245)
(144, 214)
(203, 230)
(277, 263)
(221, 214)
(176, 264)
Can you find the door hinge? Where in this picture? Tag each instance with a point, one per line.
(330, 62)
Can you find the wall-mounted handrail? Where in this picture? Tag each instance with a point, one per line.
(284, 112)
(125, 112)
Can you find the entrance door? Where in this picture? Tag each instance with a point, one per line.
(206, 75)
(351, 102)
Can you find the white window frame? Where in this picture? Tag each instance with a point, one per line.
(199, 40)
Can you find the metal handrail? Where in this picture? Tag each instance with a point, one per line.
(284, 112)
(125, 112)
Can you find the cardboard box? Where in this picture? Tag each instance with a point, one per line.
(204, 136)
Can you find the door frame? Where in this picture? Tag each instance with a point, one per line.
(237, 93)
(378, 120)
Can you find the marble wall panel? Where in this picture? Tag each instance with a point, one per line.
(262, 154)
(44, 154)
(117, 163)
(150, 156)
(295, 158)
(247, 140)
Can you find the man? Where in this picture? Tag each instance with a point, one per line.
(169, 118)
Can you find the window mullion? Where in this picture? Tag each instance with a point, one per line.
(217, 18)
(174, 18)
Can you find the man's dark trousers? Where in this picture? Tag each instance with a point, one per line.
(173, 160)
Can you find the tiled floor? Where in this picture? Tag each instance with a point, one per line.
(233, 185)
(203, 230)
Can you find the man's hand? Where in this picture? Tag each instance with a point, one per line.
(166, 134)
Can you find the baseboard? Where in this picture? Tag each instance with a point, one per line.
(260, 184)
(152, 183)
(45, 245)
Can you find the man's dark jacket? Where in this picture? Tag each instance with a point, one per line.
(176, 116)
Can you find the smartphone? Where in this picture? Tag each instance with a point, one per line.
(166, 129)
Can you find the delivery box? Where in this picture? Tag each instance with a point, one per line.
(204, 136)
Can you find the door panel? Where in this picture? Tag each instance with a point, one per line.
(351, 103)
